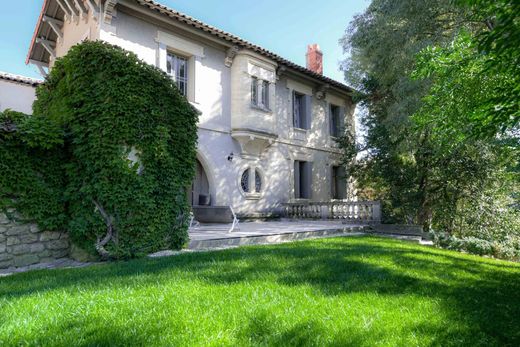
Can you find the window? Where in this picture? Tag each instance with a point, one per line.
(254, 91)
(335, 120)
(302, 179)
(265, 94)
(177, 68)
(301, 116)
(260, 93)
(245, 181)
(258, 182)
(338, 183)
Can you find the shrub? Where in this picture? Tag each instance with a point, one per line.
(128, 150)
(508, 248)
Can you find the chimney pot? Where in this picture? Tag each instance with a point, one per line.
(314, 58)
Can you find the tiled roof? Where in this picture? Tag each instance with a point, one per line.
(19, 79)
(52, 9)
(181, 17)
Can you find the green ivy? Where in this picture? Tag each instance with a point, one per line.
(127, 146)
(31, 176)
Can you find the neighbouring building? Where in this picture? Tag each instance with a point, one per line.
(17, 92)
(267, 125)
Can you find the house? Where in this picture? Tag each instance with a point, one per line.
(267, 126)
(17, 92)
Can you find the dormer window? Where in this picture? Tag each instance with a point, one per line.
(177, 68)
(260, 93)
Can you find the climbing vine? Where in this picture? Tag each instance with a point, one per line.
(126, 145)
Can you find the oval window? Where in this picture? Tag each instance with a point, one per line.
(258, 182)
(244, 181)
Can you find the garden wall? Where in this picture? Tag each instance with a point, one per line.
(23, 244)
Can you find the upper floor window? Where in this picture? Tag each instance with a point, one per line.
(301, 111)
(260, 93)
(254, 91)
(177, 68)
(265, 94)
(335, 120)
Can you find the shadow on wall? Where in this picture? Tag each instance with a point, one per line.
(468, 291)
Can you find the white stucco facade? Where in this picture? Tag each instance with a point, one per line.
(234, 135)
(16, 93)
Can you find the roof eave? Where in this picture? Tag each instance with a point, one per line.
(152, 5)
(36, 30)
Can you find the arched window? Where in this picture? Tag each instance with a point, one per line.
(244, 181)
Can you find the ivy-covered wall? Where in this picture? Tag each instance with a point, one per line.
(106, 156)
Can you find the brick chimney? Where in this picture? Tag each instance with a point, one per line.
(314, 58)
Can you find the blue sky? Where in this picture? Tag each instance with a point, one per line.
(282, 26)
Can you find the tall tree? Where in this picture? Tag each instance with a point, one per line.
(422, 175)
(383, 43)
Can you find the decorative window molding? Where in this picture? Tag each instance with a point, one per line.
(261, 71)
(180, 45)
(192, 52)
(299, 87)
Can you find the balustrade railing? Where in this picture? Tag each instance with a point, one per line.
(349, 211)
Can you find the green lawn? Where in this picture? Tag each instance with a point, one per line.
(358, 291)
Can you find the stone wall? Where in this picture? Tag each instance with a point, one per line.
(23, 244)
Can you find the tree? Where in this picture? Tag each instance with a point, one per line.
(424, 175)
(383, 43)
(475, 78)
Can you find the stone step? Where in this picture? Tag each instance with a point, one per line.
(227, 242)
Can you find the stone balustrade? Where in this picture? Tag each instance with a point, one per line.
(349, 211)
(24, 244)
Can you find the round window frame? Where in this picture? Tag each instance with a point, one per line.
(252, 195)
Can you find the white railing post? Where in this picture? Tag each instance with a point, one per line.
(349, 211)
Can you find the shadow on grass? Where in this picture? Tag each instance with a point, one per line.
(485, 294)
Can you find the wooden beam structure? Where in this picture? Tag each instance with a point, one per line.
(81, 7)
(72, 8)
(55, 24)
(48, 45)
(93, 5)
(64, 7)
(40, 65)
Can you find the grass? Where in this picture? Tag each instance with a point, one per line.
(362, 291)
